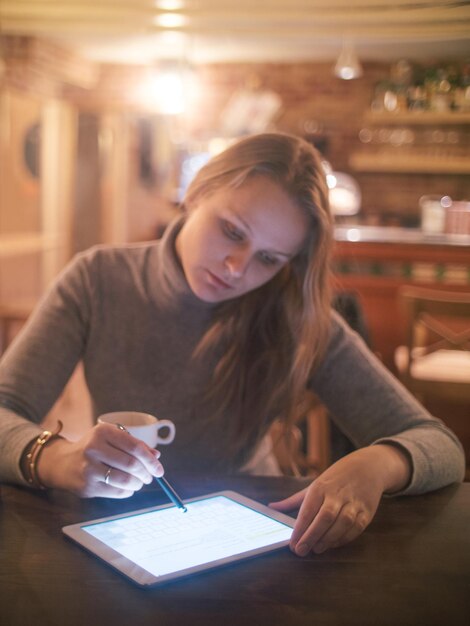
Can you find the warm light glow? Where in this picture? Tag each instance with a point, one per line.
(446, 201)
(169, 5)
(348, 66)
(218, 144)
(169, 93)
(343, 202)
(169, 90)
(353, 234)
(346, 73)
(343, 192)
(171, 20)
(331, 181)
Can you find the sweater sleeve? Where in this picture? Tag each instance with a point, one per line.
(371, 406)
(40, 361)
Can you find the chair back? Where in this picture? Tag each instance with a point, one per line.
(437, 361)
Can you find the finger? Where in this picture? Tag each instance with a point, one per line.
(360, 524)
(126, 442)
(288, 504)
(113, 477)
(311, 504)
(117, 494)
(108, 491)
(324, 517)
(343, 524)
(115, 458)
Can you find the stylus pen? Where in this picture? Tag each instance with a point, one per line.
(164, 484)
(171, 493)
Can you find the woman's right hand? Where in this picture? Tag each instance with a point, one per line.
(81, 467)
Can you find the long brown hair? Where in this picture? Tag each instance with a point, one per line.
(274, 336)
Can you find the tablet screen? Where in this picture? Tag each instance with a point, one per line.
(165, 541)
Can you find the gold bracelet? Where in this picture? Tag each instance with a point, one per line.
(33, 455)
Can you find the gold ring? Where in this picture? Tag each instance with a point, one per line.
(106, 476)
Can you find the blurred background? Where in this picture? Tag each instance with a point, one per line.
(109, 107)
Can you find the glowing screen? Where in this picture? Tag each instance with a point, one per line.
(169, 540)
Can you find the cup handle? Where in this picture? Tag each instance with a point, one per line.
(171, 431)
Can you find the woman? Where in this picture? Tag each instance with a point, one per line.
(221, 326)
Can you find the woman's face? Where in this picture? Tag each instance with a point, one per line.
(235, 240)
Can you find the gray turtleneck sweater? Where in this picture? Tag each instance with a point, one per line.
(127, 312)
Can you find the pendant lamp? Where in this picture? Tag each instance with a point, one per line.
(348, 65)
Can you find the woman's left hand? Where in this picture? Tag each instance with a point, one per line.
(342, 501)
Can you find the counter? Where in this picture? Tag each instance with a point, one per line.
(374, 262)
(392, 234)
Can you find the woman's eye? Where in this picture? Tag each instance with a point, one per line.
(232, 232)
(268, 259)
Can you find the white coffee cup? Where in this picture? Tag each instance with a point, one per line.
(142, 426)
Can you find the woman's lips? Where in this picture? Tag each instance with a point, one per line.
(218, 282)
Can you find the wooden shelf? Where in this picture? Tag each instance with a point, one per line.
(419, 164)
(416, 117)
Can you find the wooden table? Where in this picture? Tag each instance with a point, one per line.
(411, 566)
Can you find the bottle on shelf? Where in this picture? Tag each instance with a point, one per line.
(440, 89)
(377, 104)
(417, 97)
(462, 90)
(440, 101)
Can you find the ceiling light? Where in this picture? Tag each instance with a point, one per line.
(169, 88)
(171, 20)
(348, 65)
(344, 193)
(169, 5)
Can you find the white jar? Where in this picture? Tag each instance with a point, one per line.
(433, 213)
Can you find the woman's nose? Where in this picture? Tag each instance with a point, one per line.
(236, 264)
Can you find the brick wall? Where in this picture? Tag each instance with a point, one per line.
(310, 94)
(314, 98)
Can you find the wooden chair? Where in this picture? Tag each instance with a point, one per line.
(435, 362)
(303, 449)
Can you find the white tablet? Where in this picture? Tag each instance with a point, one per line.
(163, 543)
